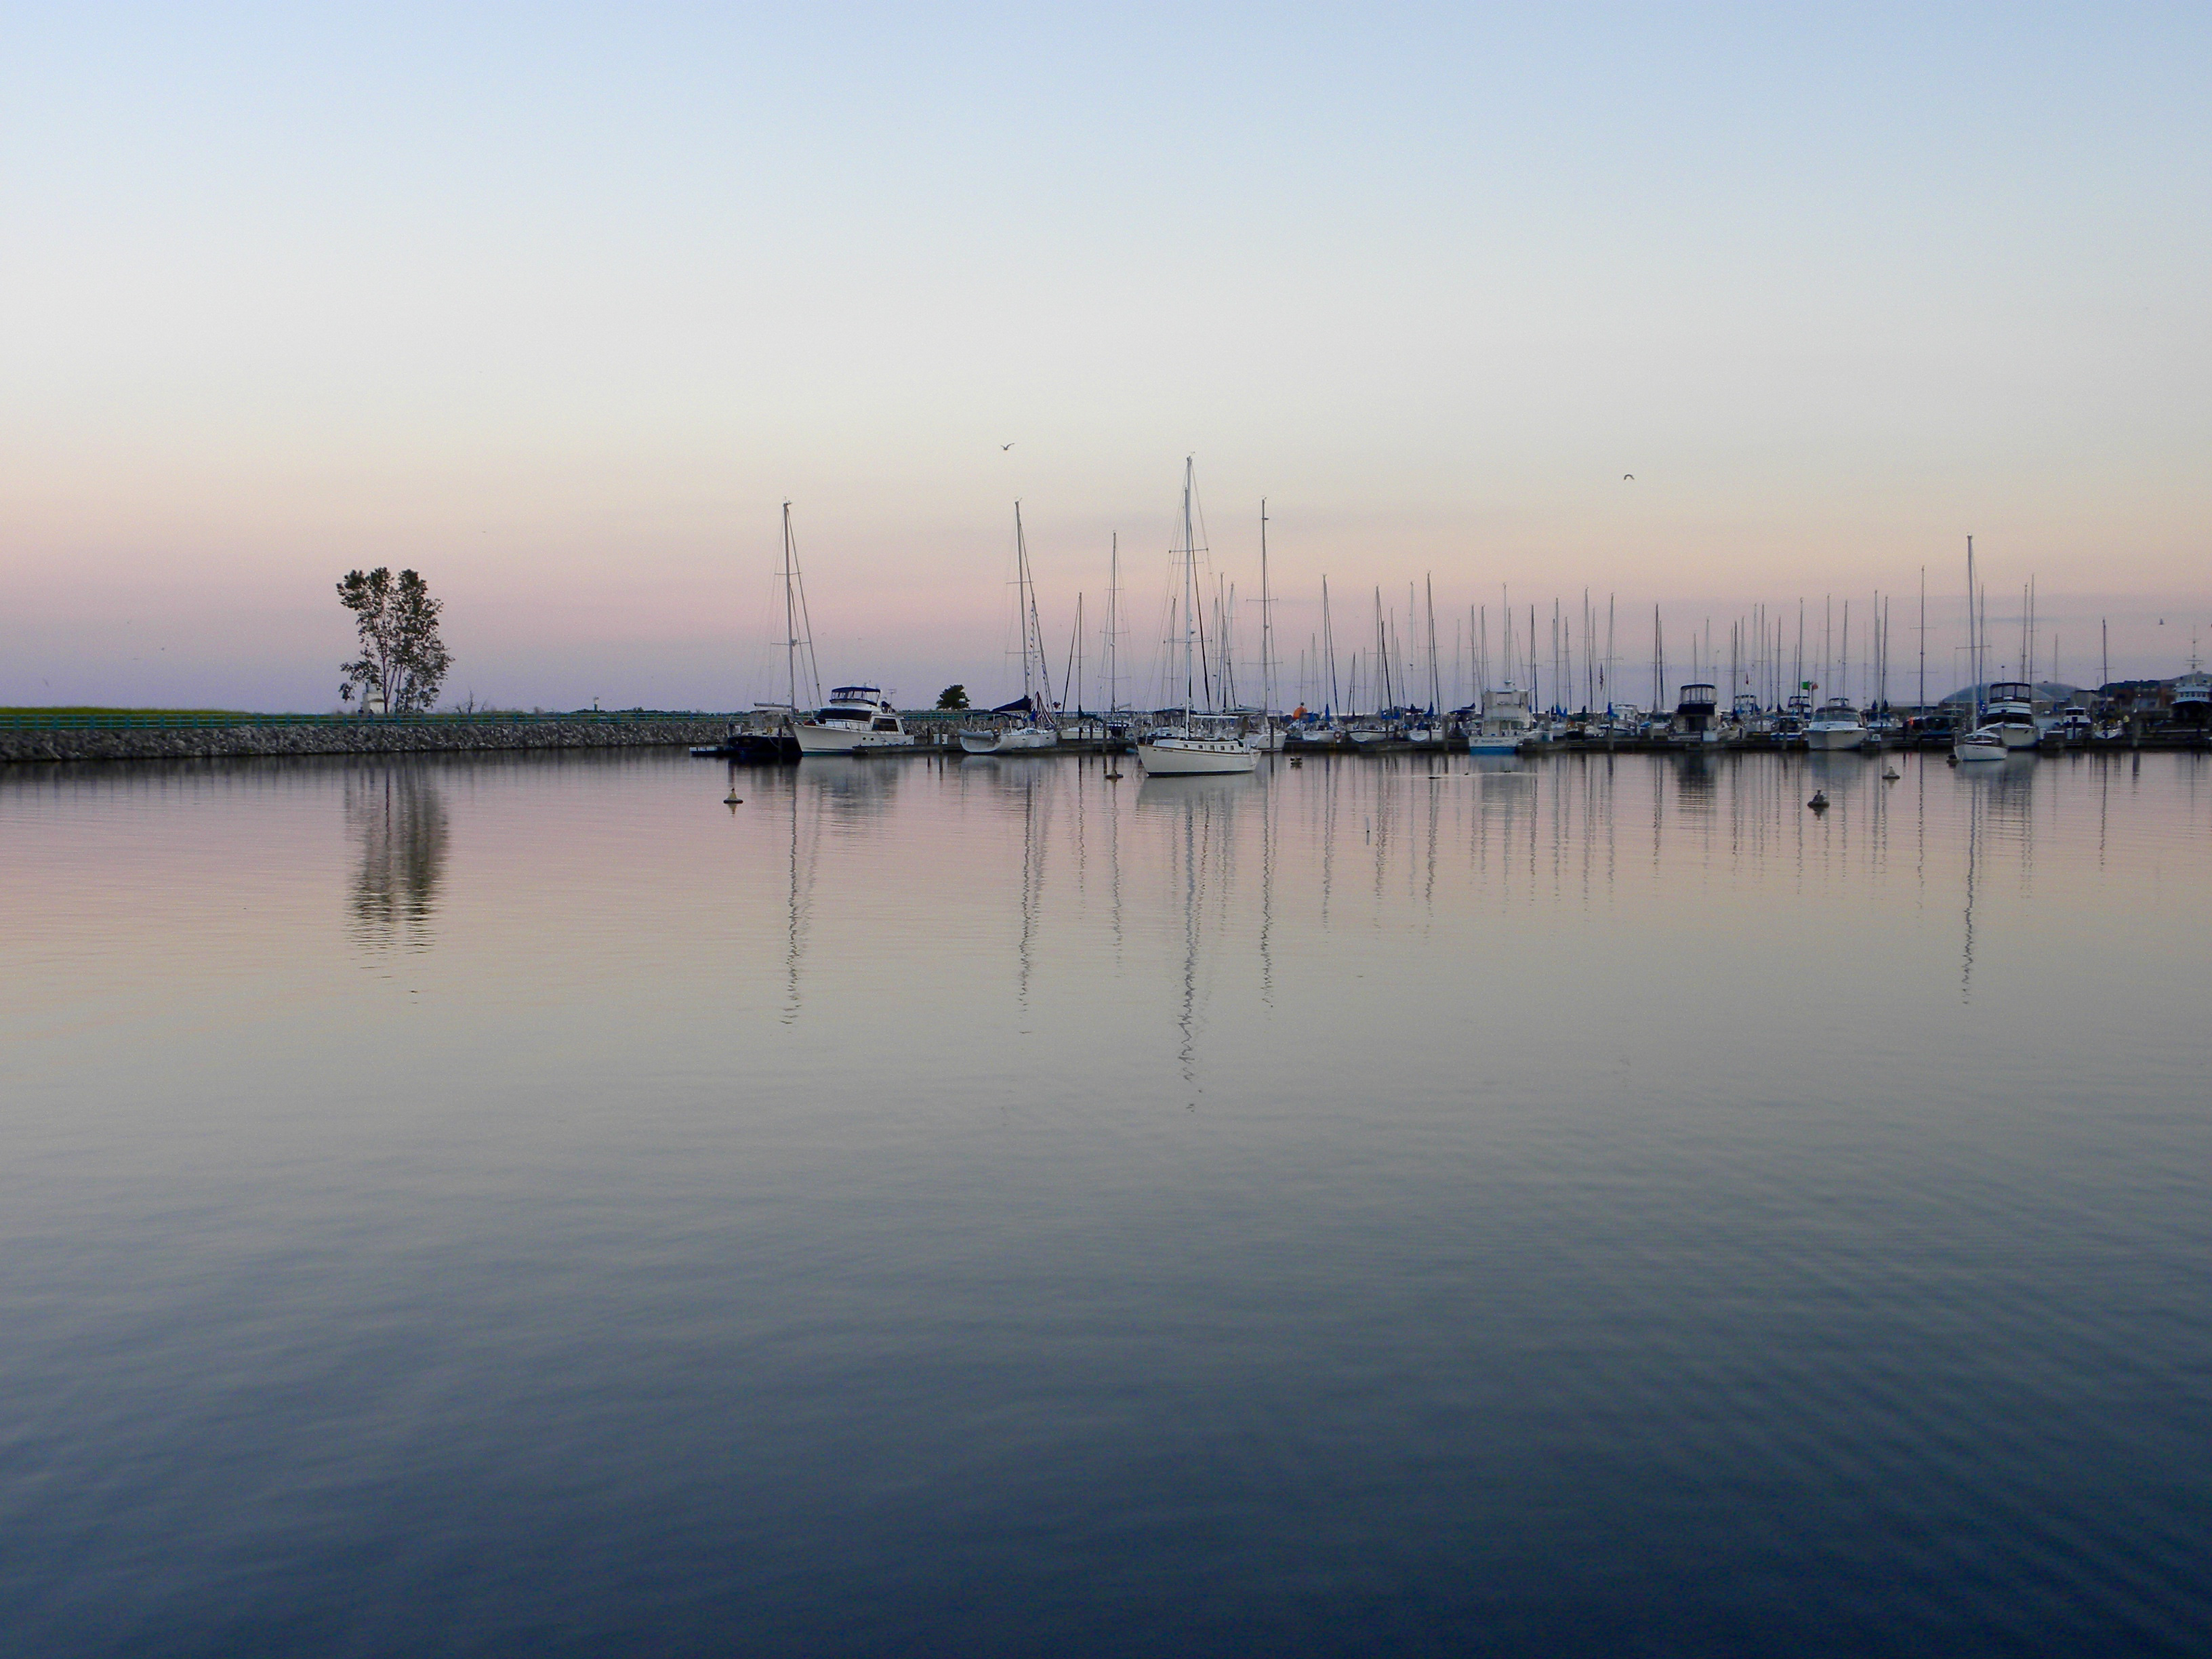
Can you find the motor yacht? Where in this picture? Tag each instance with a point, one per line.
(1835, 726)
(1505, 725)
(2011, 710)
(856, 719)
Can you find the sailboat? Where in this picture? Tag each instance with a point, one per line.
(1036, 729)
(1202, 742)
(1978, 742)
(766, 736)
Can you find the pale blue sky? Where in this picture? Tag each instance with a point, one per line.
(558, 307)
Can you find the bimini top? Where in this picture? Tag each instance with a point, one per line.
(867, 694)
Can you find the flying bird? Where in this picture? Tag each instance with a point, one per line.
(1005, 446)
(1628, 477)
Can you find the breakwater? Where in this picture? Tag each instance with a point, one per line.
(140, 738)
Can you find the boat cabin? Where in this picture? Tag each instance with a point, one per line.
(1695, 706)
(858, 708)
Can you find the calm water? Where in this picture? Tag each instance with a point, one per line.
(527, 1205)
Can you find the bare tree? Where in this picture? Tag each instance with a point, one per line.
(402, 662)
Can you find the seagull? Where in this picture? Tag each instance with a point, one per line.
(1628, 477)
(1005, 446)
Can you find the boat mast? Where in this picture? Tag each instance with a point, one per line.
(1113, 606)
(790, 617)
(1973, 637)
(799, 628)
(1267, 624)
(1189, 598)
(1328, 650)
(1036, 675)
(1436, 691)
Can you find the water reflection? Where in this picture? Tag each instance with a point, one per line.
(1704, 1202)
(397, 817)
(1199, 816)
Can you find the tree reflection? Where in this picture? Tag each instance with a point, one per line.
(397, 818)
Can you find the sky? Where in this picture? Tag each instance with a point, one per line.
(560, 305)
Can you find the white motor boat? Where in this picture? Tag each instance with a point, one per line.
(855, 719)
(1505, 725)
(2011, 710)
(1835, 725)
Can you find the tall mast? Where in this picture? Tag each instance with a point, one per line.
(1036, 671)
(1190, 597)
(1436, 691)
(1381, 675)
(1973, 635)
(1112, 606)
(790, 616)
(1266, 623)
(1924, 638)
(1328, 650)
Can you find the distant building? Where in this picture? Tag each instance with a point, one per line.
(2138, 696)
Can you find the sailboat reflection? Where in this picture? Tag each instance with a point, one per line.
(1973, 861)
(1198, 813)
(805, 853)
(397, 817)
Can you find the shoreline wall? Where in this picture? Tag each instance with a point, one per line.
(367, 737)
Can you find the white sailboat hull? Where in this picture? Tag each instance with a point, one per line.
(1022, 740)
(1982, 746)
(1170, 757)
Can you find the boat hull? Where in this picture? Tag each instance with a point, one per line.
(1176, 757)
(834, 740)
(1843, 737)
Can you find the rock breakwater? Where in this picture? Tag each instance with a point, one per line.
(361, 737)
